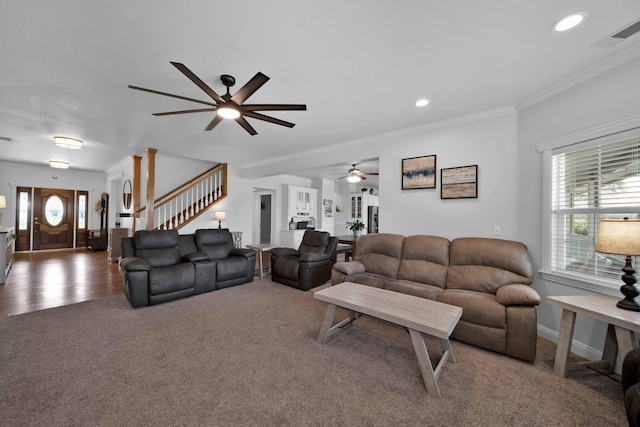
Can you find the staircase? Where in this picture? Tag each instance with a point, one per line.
(188, 201)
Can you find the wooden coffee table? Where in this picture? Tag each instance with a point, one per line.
(418, 315)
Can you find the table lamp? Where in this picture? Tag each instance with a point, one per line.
(219, 216)
(3, 204)
(622, 237)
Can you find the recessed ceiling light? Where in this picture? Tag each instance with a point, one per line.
(569, 22)
(421, 102)
(59, 164)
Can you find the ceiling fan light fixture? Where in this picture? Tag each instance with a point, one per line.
(353, 179)
(59, 164)
(228, 113)
(66, 142)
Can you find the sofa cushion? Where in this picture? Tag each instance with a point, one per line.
(425, 259)
(173, 278)
(160, 248)
(479, 308)
(416, 289)
(231, 268)
(217, 243)
(484, 265)
(380, 253)
(314, 242)
(370, 279)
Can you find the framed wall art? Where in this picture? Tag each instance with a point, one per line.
(419, 172)
(459, 183)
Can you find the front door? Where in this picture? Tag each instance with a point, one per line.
(53, 218)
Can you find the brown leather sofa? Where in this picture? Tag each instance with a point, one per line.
(308, 266)
(488, 278)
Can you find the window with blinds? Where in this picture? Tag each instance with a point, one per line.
(590, 184)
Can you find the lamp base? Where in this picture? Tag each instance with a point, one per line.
(628, 304)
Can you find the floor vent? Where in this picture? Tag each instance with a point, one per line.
(619, 36)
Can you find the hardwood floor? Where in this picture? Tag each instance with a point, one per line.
(46, 279)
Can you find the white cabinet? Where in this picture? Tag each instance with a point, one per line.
(6, 251)
(301, 202)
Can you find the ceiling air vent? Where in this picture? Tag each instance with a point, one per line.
(619, 36)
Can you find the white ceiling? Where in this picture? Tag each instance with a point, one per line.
(359, 65)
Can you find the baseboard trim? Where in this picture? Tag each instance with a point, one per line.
(577, 347)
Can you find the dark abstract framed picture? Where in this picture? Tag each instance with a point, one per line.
(419, 172)
(459, 183)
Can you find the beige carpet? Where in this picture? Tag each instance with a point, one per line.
(248, 355)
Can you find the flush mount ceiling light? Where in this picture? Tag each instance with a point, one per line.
(59, 164)
(66, 142)
(569, 22)
(421, 102)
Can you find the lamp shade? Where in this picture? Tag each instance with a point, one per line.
(3, 201)
(619, 236)
(219, 215)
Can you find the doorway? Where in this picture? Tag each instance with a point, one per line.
(263, 218)
(50, 218)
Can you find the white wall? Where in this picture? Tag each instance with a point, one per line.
(489, 143)
(604, 99)
(13, 175)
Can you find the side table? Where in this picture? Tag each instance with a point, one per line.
(620, 337)
(260, 248)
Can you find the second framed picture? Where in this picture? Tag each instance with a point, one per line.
(419, 172)
(459, 183)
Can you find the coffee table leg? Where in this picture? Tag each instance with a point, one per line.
(565, 337)
(425, 364)
(326, 323)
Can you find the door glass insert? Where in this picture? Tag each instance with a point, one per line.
(82, 214)
(23, 211)
(54, 210)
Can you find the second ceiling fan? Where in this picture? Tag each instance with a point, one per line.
(355, 175)
(229, 106)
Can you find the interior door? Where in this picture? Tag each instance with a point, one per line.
(265, 218)
(53, 218)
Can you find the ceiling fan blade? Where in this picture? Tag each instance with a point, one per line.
(202, 85)
(273, 107)
(172, 95)
(217, 119)
(343, 177)
(245, 124)
(370, 173)
(199, 110)
(249, 89)
(268, 119)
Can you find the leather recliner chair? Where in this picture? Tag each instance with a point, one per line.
(308, 266)
(631, 386)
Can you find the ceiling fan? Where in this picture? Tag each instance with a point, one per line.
(228, 106)
(355, 175)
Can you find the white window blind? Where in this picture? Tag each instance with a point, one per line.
(588, 185)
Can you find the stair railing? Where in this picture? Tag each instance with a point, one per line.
(186, 202)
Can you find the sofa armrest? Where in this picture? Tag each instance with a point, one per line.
(243, 252)
(517, 294)
(281, 252)
(196, 257)
(134, 264)
(351, 267)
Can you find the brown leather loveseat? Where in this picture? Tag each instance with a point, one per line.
(488, 278)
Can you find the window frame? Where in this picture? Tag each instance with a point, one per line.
(608, 133)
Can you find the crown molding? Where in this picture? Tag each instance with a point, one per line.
(590, 72)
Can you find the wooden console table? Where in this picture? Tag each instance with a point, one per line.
(620, 337)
